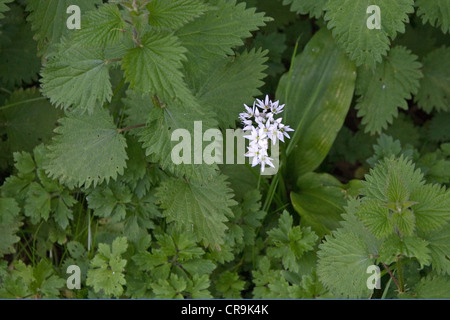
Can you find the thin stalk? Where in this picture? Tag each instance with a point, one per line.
(131, 127)
(392, 276)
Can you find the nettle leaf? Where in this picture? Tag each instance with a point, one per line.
(154, 67)
(434, 92)
(342, 265)
(31, 121)
(220, 29)
(101, 27)
(290, 242)
(107, 268)
(409, 246)
(18, 55)
(87, 150)
(433, 287)
(439, 245)
(9, 225)
(3, 7)
(157, 140)
(348, 19)
(240, 75)
(314, 8)
(437, 12)
(77, 76)
(199, 207)
(48, 19)
(396, 79)
(172, 14)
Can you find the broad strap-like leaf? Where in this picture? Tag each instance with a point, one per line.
(434, 92)
(87, 150)
(48, 19)
(317, 91)
(240, 75)
(366, 46)
(198, 207)
(386, 88)
(172, 14)
(77, 76)
(437, 12)
(314, 8)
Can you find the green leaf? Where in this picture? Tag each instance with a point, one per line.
(31, 121)
(436, 12)
(230, 285)
(3, 7)
(18, 60)
(172, 14)
(439, 245)
(169, 289)
(365, 46)
(410, 246)
(101, 27)
(433, 287)
(314, 8)
(240, 75)
(110, 201)
(386, 147)
(319, 201)
(77, 76)
(290, 243)
(219, 30)
(48, 19)
(107, 267)
(154, 67)
(396, 79)
(9, 225)
(38, 203)
(87, 150)
(434, 92)
(317, 92)
(342, 265)
(201, 208)
(159, 146)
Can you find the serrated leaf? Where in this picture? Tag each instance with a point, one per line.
(9, 225)
(365, 46)
(48, 19)
(87, 150)
(154, 67)
(3, 7)
(342, 265)
(439, 245)
(219, 30)
(77, 76)
(437, 12)
(172, 14)
(201, 208)
(38, 203)
(240, 75)
(230, 285)
(158, 144)
(101, 27)
(18, 55)
(433, 287)
(434, 92)
(107, 267)
(31, 121)
(410, 246)
(396, 79)
(314, 8)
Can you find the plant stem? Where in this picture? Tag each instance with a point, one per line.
(400, 275)
(131, 127)
(392, 276)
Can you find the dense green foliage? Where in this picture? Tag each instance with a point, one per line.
(87, 179)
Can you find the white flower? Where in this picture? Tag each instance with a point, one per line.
(263, 127)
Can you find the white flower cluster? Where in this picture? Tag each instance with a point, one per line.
(264, 127)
